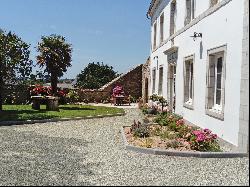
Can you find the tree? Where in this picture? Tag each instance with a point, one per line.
(38, 78)
(55, 56)
(14, 60)
(95, 75)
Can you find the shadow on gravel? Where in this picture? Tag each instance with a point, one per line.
(29, 159)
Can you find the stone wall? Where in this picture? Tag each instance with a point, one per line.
(93, 96)
(130, 81)
(146, 80)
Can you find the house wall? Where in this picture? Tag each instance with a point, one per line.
(220, 25)
(146, 80)
(243, 139)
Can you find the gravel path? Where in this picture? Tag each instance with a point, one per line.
(90, 152)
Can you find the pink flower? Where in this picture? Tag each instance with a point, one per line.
(197, 133)
(201, 138)
(207, 131)
(214, 136)
(180, 122)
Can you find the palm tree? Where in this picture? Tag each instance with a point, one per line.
(55, 56)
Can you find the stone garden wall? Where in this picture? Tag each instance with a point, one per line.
(130, 81)
(93, 96)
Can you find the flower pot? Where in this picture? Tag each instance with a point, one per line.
(52, 103)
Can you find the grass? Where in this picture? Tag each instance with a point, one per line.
(25, 112)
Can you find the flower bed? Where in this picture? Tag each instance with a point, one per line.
(170, 132)
(39, 90)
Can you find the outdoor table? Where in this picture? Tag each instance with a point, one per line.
(51, 102)
(36, 102)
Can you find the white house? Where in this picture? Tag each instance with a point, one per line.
(200, 63)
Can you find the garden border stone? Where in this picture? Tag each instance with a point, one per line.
(9, 123)
(180, 153)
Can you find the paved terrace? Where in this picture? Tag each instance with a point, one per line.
(90, 152)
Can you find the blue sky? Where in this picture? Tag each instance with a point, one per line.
(116, 32)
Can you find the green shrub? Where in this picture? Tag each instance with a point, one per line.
(162, 119)
(72, 96)
(154, 97)
(140, 130)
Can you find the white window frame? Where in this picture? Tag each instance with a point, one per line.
(173, 27)
(155, 35)
(162, 20)
(160, 87)
(190, 102)
(153, 80)
(218, 107)
(192, 13)
(216, 111)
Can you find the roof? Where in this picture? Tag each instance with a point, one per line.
(62, 85)
(151, 7)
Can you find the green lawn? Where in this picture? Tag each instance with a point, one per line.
(25, 112)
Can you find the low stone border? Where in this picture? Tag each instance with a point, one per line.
(180, 153)
(8, 123)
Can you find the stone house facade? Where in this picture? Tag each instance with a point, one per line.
(199, 62)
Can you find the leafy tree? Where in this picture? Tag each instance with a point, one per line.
(55, 56)
(14, 60)
(38, 78)
(95, 75)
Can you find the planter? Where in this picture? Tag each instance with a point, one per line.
(52, 103)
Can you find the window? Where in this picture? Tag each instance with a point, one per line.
(189, 81)
(155, 30)
(213, 2)
(190, 10)
(215, 82)
(162, 27)
(160, 81)
(153, 77)
(172, 17)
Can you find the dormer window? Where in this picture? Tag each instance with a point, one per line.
(172, 17)
(190, 10)
(155, 31)
(162, 27)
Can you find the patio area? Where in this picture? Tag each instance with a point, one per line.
(91, 152)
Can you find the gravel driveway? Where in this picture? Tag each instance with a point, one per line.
(90, 152)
